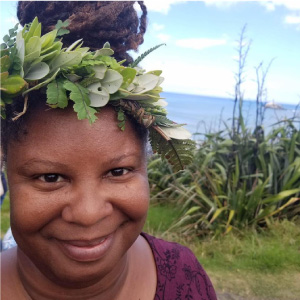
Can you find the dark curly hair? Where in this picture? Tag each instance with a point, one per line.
(97, 22)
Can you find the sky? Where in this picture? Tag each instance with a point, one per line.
(201, 45)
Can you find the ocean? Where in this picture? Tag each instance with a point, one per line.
(204, 114)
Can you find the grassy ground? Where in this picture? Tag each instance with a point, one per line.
(244, 265)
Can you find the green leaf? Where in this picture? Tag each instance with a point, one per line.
(31, 30)
(155, 72)
(49, 56)
(20, 45)
(128, 77)
(88, 81)
(112, 81)
(99, 96)
(48, 39)
(100, 71)
(146, 82)
(121, 119)
(120, 94)
(60, 26)
(142, 97)
(83, 51)
(33, 44)
(43, 83)
(37, 71)
(80, 97)
(38, 30)
(65, 59)
(280, 196)
(11, 31)
(13, 85)
(179, 153)
(4, 63)
(62, 31)
(104, 52)
(28, 59)
(178, 133)
(110, 61)
(72, 46)
(4, 52)
(55, 46)
(85, 112)
(56, 94)
(3, 76)
(73, 77)
(6, 38)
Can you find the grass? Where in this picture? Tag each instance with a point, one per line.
(274, 250)
(248, 264)
(160, 218)
(5, 215)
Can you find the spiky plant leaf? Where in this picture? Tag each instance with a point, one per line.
(179, 153)
(141, 57)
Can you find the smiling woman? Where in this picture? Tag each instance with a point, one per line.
(79, 188)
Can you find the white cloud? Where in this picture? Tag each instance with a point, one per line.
(289, 4)
(198, 78)
(221, 4)
(163, 37)
(200, 43)
(161, 6)
(158, 27)
(269, 5)
(292, 19)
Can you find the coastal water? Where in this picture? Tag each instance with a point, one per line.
(204, 114)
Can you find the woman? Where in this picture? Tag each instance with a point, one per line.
(78, 188)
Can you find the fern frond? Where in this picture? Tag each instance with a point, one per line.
(179, 153)
(141, 57)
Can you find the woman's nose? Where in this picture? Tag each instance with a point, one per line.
(87, 205)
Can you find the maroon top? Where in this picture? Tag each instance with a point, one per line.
(179, 274)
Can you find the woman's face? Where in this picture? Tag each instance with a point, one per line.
(79, 194)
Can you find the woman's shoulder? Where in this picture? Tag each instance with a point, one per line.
(179, 273)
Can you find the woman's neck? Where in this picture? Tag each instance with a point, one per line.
(38, 286)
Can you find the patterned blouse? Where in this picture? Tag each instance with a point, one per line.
(179, 274)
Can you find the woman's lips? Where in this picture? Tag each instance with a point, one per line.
(86, 250)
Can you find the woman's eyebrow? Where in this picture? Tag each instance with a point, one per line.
(41, 162)
(118, 159)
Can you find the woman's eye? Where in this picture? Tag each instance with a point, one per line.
(51, 178)
(118, 172)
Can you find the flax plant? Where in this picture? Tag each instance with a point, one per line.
(239, 178)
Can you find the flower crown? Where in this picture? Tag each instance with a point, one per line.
(91, 80)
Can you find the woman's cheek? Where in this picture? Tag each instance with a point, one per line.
(137, 199)
(32, 210)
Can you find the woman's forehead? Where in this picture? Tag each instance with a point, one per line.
(60, 131)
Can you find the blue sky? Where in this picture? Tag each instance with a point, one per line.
(201, 45)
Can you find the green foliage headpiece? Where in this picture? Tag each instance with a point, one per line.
(91, 80)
